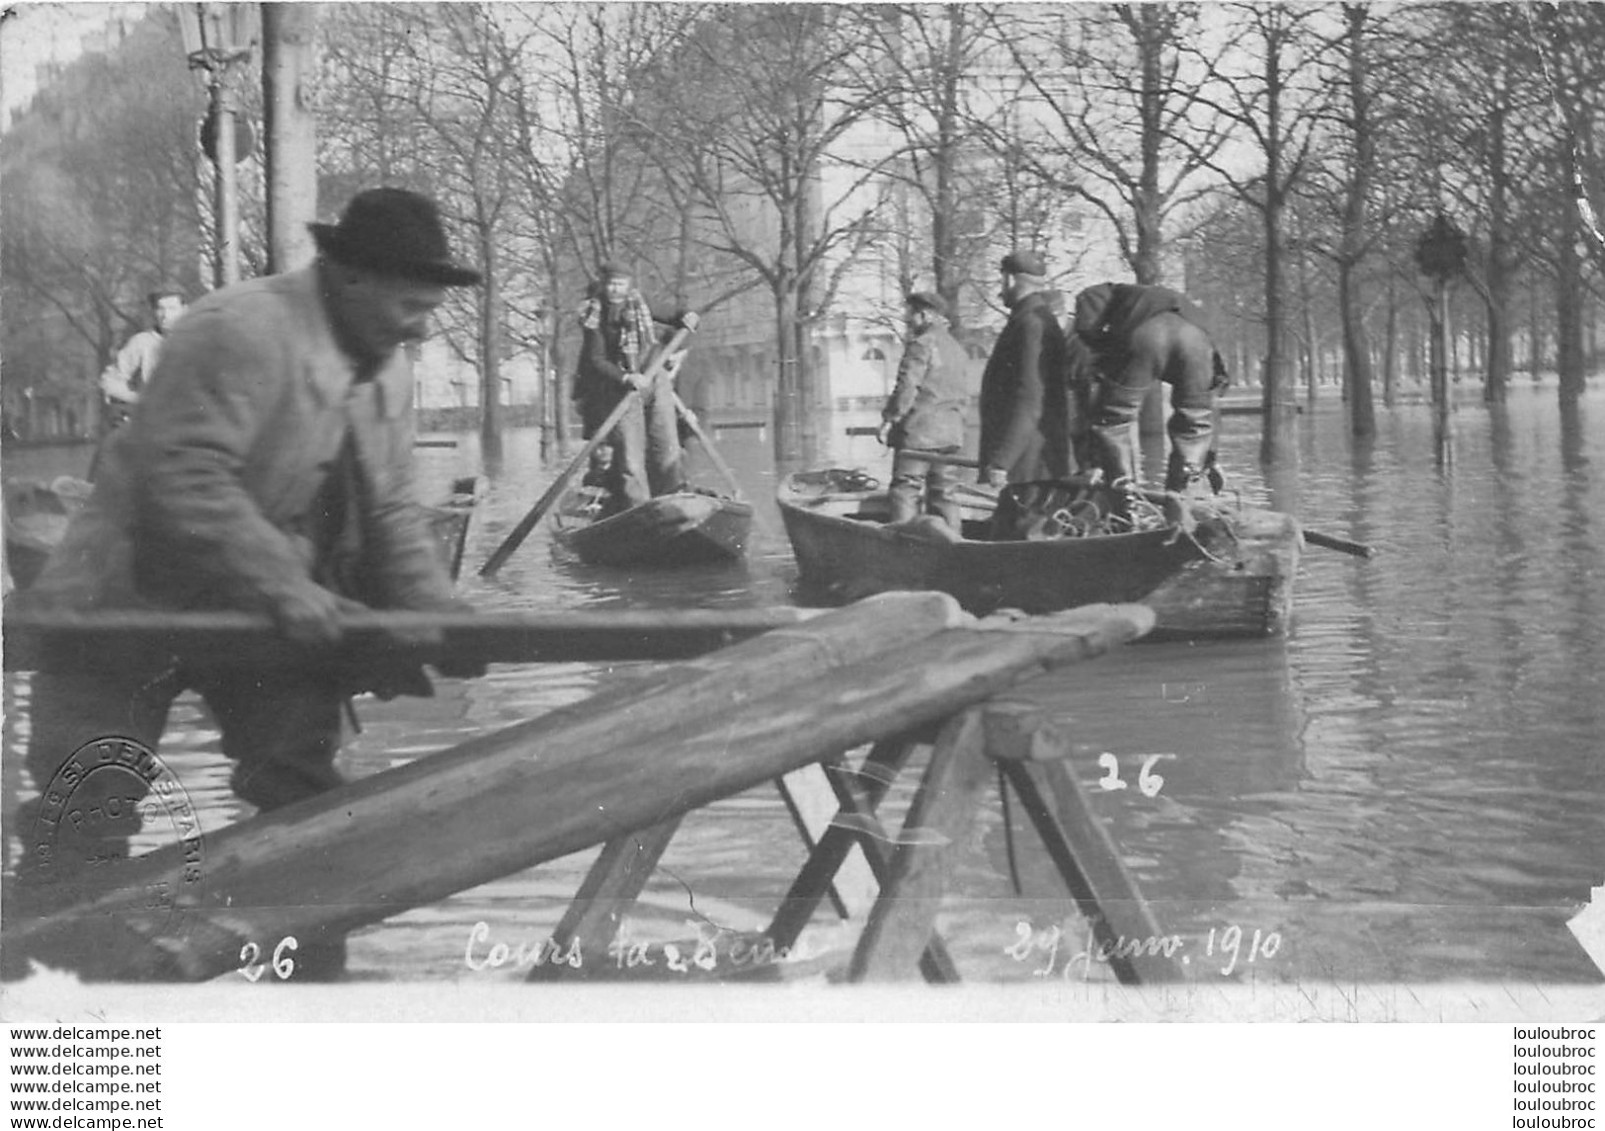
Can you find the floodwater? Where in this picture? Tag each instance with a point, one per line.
(1409, 788)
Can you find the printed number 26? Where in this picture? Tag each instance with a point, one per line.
(283, 964)
(1150, 783)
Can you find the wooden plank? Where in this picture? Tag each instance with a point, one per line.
(540, 790)
(223, 639)
(1032, 753)
(939, 821)
(610, 888)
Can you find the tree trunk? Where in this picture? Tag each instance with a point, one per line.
(1146, 201)
(1535, 332)
(1277, 442)
(289, 61)
(1390, 355)
(788, 395)
(1357, 356)
(490, 362)
(1356, 349)
(1501, 261)
(1569, 319)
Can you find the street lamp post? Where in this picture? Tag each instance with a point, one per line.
(217, 36)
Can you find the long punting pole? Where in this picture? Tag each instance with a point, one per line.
(226, 639)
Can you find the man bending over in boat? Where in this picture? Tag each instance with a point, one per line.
(269, 470)
(1130, 336)
(926, 413)
(620, 329)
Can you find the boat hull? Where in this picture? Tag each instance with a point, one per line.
(682, 528)
(1211, 583)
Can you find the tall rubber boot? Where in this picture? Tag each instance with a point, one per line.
(1188, 455)
(1114, 452)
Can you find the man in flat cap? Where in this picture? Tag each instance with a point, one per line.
(1024, 423)
(1134, 336)
(266, 468)
(926, 413)
(620, 333)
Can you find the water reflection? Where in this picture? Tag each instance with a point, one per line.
(1409, 786)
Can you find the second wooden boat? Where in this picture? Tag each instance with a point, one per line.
(680, 528)
(1204, 573)
(37, 513)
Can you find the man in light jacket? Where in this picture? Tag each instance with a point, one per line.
(926, 413)
(267, 469)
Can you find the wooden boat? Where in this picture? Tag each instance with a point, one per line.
(1204, 573)
(681, 528)
(450, 519)
(37, 513)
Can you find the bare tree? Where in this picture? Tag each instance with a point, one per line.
(747, 114)
(1275, 102)
(101, 177)
(1121, 96)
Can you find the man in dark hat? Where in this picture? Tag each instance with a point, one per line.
(267, 469)
(926, 413)
(1024, 425)
(1134, 336)
(643, 456)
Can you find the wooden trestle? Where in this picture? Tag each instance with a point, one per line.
(622, 768)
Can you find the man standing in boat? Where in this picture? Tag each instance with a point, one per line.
(1024, 422)
(620, 331)
(925, 413)
(1137, 335)
(270, 471)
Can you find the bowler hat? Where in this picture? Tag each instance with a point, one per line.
(929, 300)
(1024, 263)
(395, 232)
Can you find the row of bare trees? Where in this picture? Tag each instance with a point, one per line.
(1279, 161)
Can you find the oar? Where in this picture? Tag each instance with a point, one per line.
(1342, 545)
(206, 640)
(942, 457)
(690, 419)
(559, 485)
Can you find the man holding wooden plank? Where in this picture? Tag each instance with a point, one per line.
(267, 469)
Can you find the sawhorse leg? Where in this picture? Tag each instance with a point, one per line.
(902, 927)
(1032, 753)
(612, 885)
(859, 792)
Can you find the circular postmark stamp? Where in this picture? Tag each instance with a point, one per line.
(112, 796)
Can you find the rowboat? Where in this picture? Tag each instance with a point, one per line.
(1205, 572)
(686, 527)
(37, 513)
(449, 520)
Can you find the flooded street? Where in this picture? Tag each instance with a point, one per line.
(1409, 787)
